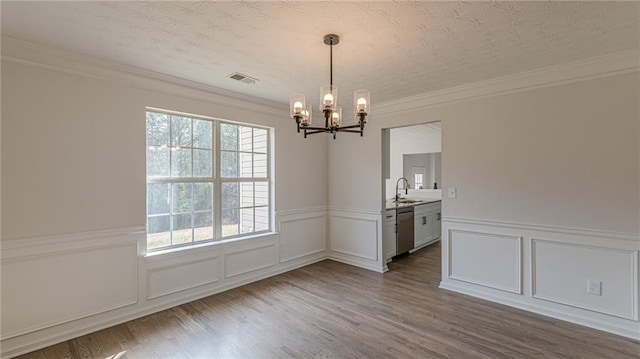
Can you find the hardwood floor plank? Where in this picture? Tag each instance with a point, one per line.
(333, 310)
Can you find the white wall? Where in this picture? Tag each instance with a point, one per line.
(547, 178)
(531, 197)
(430, 162)
(400, 145)
(73, 212)
(74, 156)
(561, 155)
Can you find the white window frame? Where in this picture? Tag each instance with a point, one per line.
(217, 180)
(418, 171)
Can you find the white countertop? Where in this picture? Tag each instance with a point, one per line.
(393, 205)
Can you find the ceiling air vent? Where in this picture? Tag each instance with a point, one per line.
(243, 78)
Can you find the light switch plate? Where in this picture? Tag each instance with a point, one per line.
(451, 193)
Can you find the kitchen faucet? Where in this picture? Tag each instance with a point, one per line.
(406, 187)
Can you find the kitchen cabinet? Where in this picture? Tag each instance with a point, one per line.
(437, 222)
(427, 224)
(423, 225)
(427, 227)
(389, 242)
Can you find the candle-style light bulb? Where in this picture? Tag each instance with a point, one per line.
(361, 104)
(328, 99)
(335, 119)
(297, 108)
(305, 117)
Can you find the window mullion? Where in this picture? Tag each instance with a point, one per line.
(193, 189)
(244, 179)
(170, 185)
(253, 172)
(193, 217)
(270, 209)
(180, 180)
(216, 180)
(217, 202)
(169, 145)
(254, 206)
(171, 214)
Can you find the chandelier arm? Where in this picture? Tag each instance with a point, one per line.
(315, 128)
(328, 106)
(314, 132)
(350, 126)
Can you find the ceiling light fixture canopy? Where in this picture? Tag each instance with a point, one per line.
(301, 112)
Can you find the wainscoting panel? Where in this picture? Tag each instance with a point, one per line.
(486, 259)
(44, 290)
(302, 235)
(354, 236)
(182, 276)
(59, 287)
(244, 261)
(482, 259)
(561, 271)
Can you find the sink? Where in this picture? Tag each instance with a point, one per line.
(406, 200)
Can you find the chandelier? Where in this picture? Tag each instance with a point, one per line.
(301, 112)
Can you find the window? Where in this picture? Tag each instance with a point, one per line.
(418, 180)
(418, 177)
(203, 187)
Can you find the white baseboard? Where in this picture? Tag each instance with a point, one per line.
(373, 266)
(147, 284)
(355, 238)
(424, 245)
(73, 330)
(548, 270)
(629, 329)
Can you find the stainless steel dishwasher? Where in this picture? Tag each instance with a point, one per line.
(404, 221)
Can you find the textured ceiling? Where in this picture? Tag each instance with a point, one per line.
(424, 131)
(395, 49)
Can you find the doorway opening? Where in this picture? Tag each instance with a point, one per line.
(412, 189)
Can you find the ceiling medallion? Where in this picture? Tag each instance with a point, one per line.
(301, 112)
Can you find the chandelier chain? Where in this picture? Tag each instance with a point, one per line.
(331, 64)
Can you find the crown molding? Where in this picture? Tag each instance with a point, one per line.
(590, 68)
(25, 52)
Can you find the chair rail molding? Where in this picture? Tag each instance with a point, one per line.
(556, 265)
(148, 283)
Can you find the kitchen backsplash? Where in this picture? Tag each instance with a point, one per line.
(424, 193)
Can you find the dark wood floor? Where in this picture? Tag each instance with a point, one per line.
(333, 310)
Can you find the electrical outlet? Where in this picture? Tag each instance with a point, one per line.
(451, 193)
(594, 287)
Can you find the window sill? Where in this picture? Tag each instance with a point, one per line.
(185, 250)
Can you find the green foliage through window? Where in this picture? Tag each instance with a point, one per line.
(182, 180)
